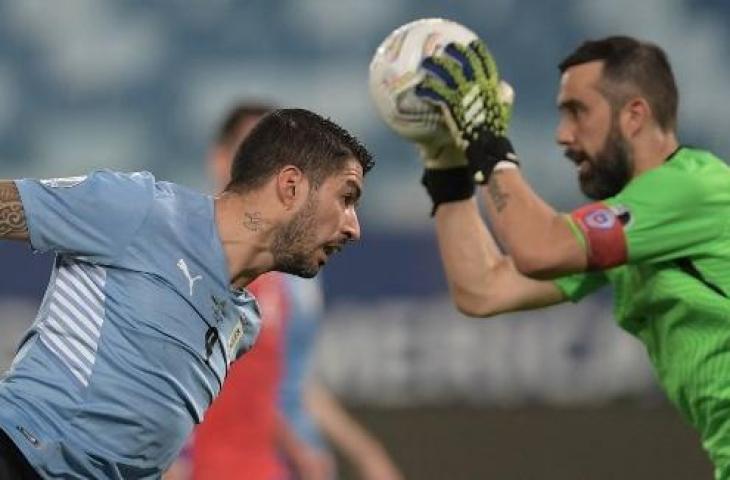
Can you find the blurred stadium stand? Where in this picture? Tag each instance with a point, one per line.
(560, 393)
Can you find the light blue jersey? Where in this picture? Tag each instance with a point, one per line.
(135, 334)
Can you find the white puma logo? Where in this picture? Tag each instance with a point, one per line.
(184, 269)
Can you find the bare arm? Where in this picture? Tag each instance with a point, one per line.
(12, 217)
(537, 237)
(308, 462)
(357, 445)
(481, 279)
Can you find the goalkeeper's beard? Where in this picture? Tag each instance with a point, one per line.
(609, 170)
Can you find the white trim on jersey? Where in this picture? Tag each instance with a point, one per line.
(72, 326)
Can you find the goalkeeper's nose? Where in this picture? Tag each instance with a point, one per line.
(565, 133)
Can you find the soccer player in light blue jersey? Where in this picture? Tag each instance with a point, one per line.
(146, 308)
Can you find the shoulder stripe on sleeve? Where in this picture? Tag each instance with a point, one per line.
(604, 234)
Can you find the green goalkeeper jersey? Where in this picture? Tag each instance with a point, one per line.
(664, 245)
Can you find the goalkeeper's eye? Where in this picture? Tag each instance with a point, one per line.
(572, 108)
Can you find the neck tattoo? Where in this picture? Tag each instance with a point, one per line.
(253, 221)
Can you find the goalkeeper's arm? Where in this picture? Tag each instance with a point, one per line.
(13, 225)
(539, 239)
(482, 281)
(465, 83)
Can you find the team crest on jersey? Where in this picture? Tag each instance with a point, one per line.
(603, 229)
(602, 218)
(63, 182)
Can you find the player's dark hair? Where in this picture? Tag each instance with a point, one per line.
(227, 133)
(629, 65)
(317, 146)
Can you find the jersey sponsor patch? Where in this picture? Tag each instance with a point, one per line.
(603, 229)
(63, 182)
(235, 339)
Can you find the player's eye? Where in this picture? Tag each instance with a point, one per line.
(350, 199)
(573, 109)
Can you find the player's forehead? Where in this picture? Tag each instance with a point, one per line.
(580, 82)
(350, 175)
(350, 172)
(353, 170)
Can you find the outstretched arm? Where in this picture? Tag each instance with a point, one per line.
(538, 238)
(476, 104)
(357, 445)
(482, 280)
(13, 225)
(307, 461)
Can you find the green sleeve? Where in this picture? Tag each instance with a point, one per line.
(578, 285)
(671, 212)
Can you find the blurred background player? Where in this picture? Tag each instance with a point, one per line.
(266, 423)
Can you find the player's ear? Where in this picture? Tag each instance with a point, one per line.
(635, 114)
(291, 186)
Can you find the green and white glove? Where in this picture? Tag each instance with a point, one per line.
(477, 106)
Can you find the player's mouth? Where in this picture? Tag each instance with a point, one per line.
(580, 159)
(327, 251)
(331, 249)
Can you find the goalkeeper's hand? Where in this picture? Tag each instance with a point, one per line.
(446, 176)
(477, 106)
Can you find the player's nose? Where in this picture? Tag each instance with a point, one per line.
(351, 227)
(564, 133)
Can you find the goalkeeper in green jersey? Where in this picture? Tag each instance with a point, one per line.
(658, 229)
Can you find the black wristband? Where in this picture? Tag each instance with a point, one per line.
(485, 151)
(448, 185)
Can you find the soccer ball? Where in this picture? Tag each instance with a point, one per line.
(395, 71)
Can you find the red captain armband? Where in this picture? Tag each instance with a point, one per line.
(603, 229)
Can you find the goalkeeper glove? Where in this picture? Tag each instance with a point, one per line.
(446, 177)
(477, 106)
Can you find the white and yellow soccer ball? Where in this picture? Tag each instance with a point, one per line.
(395, 71)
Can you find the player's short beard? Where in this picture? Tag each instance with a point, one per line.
(294, 243)
(610, 169)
